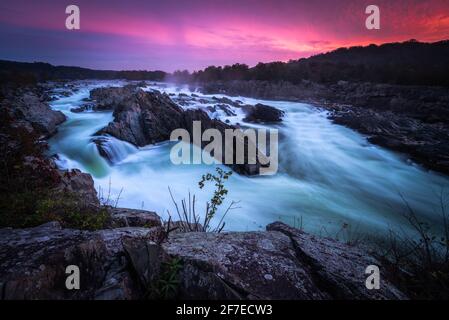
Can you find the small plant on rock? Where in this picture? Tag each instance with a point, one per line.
(190, 221)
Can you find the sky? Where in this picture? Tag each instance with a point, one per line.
(193, 34)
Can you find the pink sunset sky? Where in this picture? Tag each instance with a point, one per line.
(193, 34)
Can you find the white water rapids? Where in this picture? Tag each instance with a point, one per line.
(329, 175)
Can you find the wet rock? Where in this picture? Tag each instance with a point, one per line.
(144, 118)
(225, 108)
(224, 100)
(401, 133)
(262, 113)
(111, 97)
(141, 118)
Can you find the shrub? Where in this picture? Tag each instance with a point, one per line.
(186, 211)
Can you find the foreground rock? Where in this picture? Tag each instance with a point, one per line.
(33, 263)
(126, 263)
(144, 118)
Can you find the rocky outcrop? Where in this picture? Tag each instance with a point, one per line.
(80, 184)
(262, 113)
(126, 263)
(28, 108)
(281, 263)
(33, 263)
(425, 143)
(140, 118)
(337, 268)
(143, 118)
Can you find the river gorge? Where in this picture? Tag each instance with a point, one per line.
(331, 181)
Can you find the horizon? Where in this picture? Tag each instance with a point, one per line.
(173, 36)
(181, 69)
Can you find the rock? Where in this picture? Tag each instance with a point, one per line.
(83, 108)
(144, 118)
(225, 108)
(281, 263)
(337, 268)
(400, 133)
(111, 97)
(141, 118)
(250, 166)
(29, 109)
(78, 109)
(122, 217)
(224, 100)
(146, 259)
(262, 113)
(81, 184)
(233, 265)
(33, 263)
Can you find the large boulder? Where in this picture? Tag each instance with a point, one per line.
(30, 110)
(80, 184)
(33, 263)
(127, 263)
(262, 113)
(140, 118)
(337, 268)
(281, 263)
(123, 217)
(144, 118)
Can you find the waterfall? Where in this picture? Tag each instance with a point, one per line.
(112, 149)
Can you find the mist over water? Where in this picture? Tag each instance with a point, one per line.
(328, 175)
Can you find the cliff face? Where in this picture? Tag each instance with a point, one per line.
(128, 263)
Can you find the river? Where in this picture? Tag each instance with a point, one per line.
(331, 180)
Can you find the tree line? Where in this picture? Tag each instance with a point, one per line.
(406, 63)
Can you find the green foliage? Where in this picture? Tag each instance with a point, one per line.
(190, 220)
(166, 286)
(71, 212)
(29, 194)
(220, 192)
(32, 208)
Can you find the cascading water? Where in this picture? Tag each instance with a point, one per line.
(328, 176)
(114, 149)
